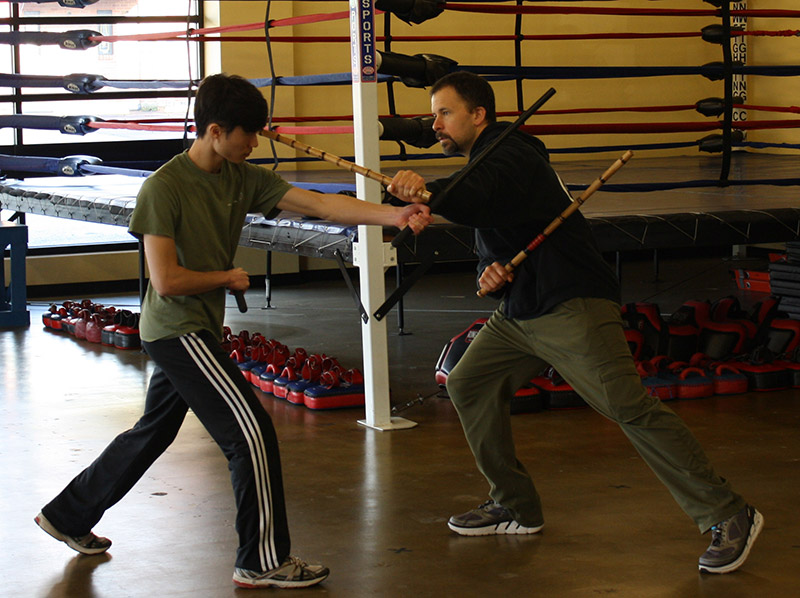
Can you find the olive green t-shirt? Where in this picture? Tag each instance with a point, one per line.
(204, 213)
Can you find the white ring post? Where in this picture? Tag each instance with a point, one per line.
(370, 250)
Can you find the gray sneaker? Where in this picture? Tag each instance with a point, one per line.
(293, 573)
(88, 544)
(731, 541)
(489, 518)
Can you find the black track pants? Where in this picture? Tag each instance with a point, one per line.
(192, 372)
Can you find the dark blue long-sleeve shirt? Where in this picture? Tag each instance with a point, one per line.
(509, 198)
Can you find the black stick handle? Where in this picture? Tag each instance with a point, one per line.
(403, 235)
(241, 303)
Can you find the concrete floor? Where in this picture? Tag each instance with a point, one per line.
(373, 505)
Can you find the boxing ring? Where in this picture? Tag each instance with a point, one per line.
(622, 217)
(732, 196)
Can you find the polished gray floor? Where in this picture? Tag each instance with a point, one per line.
(373, 505)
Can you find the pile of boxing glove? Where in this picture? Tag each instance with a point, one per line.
(95, 323)
(715, 348)
(316, 381)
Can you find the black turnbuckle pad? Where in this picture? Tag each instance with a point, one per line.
(83, 82)
(71, 165)
(76, 3)
(79, 39)
(76, 125)
(417, 131)
(412, 11)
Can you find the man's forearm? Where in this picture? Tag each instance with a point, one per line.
(180, 281)
(357, 211)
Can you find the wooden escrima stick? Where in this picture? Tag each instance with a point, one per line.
(577, 203)
(336, 160)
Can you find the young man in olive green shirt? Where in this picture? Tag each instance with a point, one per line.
(190, 214)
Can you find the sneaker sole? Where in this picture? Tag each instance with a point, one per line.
(755, 529)
(43, 523)
(243, 583)
(507, 527)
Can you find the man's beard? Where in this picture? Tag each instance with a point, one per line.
(449, 149)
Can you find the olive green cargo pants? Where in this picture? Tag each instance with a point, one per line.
(583, 340)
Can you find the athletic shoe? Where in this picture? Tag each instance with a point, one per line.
(88, 544)
(293, 573)
(731, 541)
(489, 518)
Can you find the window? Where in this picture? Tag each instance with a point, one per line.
(117, 61)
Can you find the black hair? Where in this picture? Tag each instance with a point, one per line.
(473, 89)
(230, 101)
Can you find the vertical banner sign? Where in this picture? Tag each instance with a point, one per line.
(739, 54)
(362, 24)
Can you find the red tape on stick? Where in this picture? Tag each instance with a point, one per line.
(535, 243)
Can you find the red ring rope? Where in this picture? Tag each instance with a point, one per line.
(198, 36)
(317, 18)
(564, 129)
(671, 127)
(138, 126)
(442, 38)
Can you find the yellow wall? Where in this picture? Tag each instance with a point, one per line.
(774, 91)
(316, 58)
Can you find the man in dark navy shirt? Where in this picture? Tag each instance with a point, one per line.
(560, 308)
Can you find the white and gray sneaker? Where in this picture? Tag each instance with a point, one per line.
(87, 544)
(731, 541)
(293, 573)
(488, 519)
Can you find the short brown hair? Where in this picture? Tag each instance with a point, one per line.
(473, 89)
(230, 101)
